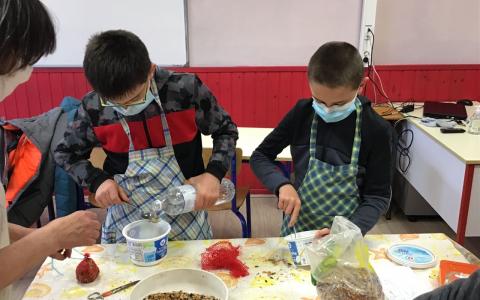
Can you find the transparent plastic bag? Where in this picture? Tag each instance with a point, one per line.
(339, 265)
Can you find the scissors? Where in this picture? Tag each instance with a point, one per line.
(98, 296)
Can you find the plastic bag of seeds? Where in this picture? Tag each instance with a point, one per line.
(339, 265)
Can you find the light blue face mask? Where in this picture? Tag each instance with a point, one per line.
(132, 110)
(335, 113)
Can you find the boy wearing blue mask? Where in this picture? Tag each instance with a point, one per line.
(149, 122)
(341, 149)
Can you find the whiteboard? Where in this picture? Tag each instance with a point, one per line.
(161, 24)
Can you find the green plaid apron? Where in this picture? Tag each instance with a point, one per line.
(327, 190)
(150, 173)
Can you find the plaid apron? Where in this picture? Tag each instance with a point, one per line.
(150, 173)
(327, 190)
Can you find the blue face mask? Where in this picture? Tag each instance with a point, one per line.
(132, 110)
(334, 113)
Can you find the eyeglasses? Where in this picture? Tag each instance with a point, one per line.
(132, 102)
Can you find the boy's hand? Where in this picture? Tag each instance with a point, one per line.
(81, 228)
(289, 202)
(208, 190)
(322, 232)
(110, 193)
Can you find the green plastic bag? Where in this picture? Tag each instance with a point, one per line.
(340, 267)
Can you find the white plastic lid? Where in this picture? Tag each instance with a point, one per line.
(412, 256)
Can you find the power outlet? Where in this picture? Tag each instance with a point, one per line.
(369, 11)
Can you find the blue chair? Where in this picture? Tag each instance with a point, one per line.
(242, 194)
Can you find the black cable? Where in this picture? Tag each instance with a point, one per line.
(370, 67)
(373, 44)
(405, 141)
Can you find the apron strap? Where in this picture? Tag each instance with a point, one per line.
(166, 129)
(313, 136)
(127, 131)
(357, 141)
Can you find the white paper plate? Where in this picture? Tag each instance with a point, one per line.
(187, 280)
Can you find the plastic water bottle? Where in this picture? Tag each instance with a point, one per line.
(181, 199)
(474, 122)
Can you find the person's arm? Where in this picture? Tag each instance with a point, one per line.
(376, 194)
(263, 158)
(459, 289)
(73, 152)
(17, 232)
(78, 229)
(263, 165)
(213, 120)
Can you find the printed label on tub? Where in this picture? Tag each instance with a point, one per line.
(148, 252)
(298, 251)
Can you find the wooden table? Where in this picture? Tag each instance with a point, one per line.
(272, 275)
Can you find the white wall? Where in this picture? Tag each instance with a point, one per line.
(267, 32)
(427, 32)
(287, 32)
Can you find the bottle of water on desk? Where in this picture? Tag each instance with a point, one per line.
(181, 199)
(474, 122)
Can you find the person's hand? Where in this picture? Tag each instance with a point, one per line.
(110, 193)
(208, 190)
(322, 232)
(81, 228)
(289, 202)
(62, 254)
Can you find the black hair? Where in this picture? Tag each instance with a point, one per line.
(26, 34)
(336, 64)
(116, 61)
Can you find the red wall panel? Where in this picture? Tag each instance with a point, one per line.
(258, 96)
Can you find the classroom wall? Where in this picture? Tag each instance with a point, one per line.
(427, 32)
(267, 32)
(285, 33)
(258, 96)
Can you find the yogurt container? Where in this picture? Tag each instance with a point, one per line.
(147, 241)
(297, 244)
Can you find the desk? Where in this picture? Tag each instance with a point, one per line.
(445, 170)
(249, 138)
(387, 112)
(272, 275)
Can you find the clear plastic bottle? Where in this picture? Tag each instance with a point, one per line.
(181, 199)
(474, 122)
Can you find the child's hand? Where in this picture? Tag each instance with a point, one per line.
(289, 202)
(110, 193)
(208, 190)
(322, 232)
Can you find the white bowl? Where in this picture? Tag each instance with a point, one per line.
(297, 244)
(146, 241)
(186, 280)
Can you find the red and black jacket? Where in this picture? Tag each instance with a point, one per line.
(191, 110)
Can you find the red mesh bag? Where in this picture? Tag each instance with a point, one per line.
(223, 255)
